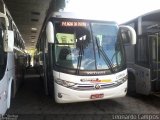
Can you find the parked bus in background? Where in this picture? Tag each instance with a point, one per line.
(82, 59)
(12, 58)
(144, 58)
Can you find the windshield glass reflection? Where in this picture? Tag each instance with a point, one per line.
(89, 47)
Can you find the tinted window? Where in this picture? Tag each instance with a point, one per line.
(142, 51)
(2, 56)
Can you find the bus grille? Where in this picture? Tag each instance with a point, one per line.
(93, 86)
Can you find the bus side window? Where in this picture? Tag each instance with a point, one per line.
(1, 46)
(2, 56)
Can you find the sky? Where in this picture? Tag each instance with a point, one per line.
(113, 10)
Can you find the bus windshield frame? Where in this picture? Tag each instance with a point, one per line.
(86, 45)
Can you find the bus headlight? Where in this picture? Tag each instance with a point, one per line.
(122, 80)
(65, 83)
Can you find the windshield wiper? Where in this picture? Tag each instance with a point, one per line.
(81, 52)
(98, 47)
(105, 56)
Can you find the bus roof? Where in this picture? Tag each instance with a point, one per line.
(71, 15)
(153, 15)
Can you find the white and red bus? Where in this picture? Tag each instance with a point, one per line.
(83, 59)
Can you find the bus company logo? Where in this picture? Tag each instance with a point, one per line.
(93, 80)
(97, 86)
(96, 80)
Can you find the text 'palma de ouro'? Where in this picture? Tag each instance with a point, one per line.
(74, 24)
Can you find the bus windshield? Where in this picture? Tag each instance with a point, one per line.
(88, 46)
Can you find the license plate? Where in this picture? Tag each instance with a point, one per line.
(95, 96)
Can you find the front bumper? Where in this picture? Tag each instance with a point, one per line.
(67, 95)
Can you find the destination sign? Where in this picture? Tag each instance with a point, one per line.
(74, 24)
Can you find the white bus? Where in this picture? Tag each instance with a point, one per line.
(143, 59)
(82, 59)
(12, 58)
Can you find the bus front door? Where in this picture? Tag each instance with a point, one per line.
(154, 50)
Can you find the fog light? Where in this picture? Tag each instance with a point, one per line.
(59, 95)
(125, 90)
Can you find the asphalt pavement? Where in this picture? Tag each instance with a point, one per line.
(31, 103)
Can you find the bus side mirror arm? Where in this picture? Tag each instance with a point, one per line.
(6, 19)
(129, 31)
(50, 32)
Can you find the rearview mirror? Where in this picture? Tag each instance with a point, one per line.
(8, 41)
(128, 34)
(50, 32)
(8, 35)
